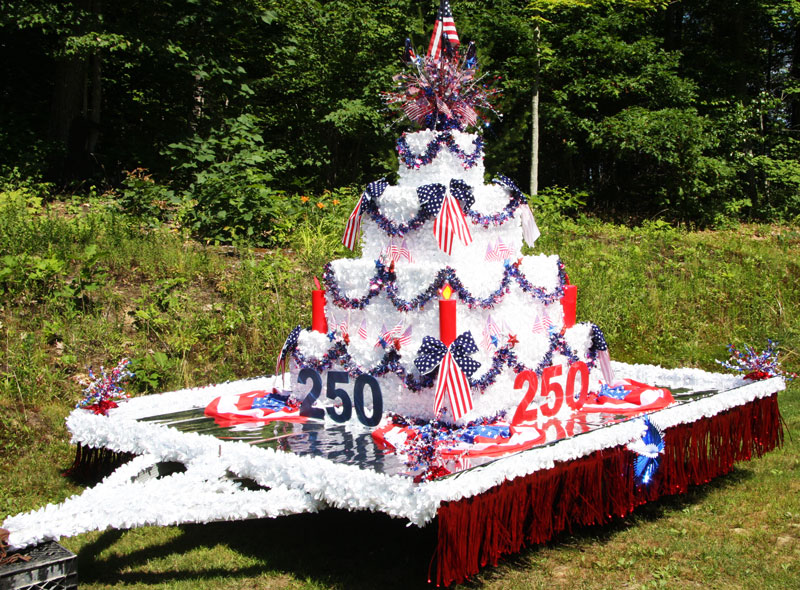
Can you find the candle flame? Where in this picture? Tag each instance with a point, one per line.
(447, 291)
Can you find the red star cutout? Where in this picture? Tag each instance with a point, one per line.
(346, 338)
(512, 340)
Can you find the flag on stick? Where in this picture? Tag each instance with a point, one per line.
(444, 31)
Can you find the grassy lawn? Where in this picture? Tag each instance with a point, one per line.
(84, 285)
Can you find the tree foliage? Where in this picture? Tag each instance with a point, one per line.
(688, 110)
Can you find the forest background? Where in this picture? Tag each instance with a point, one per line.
(212, 113)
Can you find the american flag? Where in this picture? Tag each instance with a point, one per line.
(353, 225)
(454, 382)
(542, 323)
(394, 336)
(362, 329)
(449, 222)
(341, 325)
(491, 329)
(373, 190)
(286, 350)
(395, 252)
(417, 110)
(498, 251)
(445, 28)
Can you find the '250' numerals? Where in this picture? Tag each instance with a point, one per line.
(525, 414)
(333, 392)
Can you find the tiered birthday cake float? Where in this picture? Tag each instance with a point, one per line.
(444, 379)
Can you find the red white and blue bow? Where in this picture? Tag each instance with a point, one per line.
(373, 190)
(450, 220)
(455, 369)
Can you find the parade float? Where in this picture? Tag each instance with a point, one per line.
(444, 379)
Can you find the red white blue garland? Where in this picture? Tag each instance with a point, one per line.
(385, 279)
(504, 356)
(443, 139)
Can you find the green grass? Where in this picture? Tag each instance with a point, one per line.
(85, 285)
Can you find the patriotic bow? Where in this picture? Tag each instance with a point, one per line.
(286, 350)
(463, 192)
(373, 191)
(530, 231)
(450, 219)
(455, 369)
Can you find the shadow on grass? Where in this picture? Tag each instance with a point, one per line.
(337, 548)
(333, 548)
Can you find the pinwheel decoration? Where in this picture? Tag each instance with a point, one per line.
(647, 448)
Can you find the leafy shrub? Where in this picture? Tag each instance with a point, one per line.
(143, 197)
(230, 172)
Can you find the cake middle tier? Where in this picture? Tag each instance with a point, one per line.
(368, 299)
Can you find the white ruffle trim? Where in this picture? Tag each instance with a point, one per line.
(304, 483)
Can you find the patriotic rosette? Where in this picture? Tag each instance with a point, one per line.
(455, 369)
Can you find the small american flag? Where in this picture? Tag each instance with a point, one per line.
(362, 329)
(417, 110)
(395, 252)
(445, 28)
(498, 251)
(353, 225)
(490, 333)
(286, 350)
(542, 323)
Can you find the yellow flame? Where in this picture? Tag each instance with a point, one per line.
(447, 292)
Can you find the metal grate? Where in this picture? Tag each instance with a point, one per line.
(51, 568)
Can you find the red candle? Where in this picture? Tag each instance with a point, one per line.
(569, 302)
(318, 321)
(447, 316)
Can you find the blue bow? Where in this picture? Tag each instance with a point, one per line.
(373, 191)
(510, 185)
(463, 192)
(433, 350)
(431, 197)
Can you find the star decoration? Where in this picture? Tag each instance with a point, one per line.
(512, 340)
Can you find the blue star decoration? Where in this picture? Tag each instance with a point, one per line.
(648, 450)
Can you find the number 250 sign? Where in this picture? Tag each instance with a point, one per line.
(550, 386)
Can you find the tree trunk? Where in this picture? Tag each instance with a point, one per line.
(794, 72)
(67, 99)
(95, 98)
(535, 117)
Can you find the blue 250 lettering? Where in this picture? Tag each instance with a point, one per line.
(345, 409)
